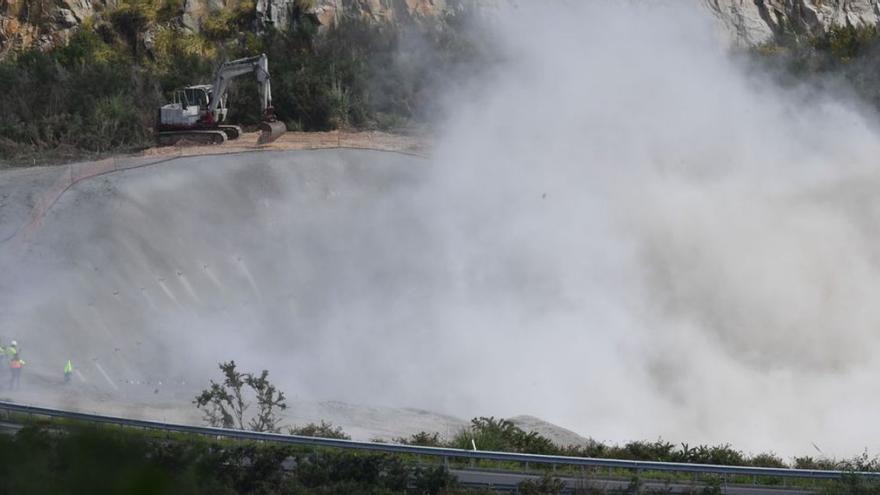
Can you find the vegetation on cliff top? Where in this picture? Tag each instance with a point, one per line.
(102, 90)
(845, 58)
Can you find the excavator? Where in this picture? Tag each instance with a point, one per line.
(198, 113)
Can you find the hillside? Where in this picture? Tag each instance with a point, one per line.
(26, 24)
(85, 79)
(595, 202)
(42, 24)
(98, 90)
(753, 22)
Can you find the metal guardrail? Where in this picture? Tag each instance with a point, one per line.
(446, 453)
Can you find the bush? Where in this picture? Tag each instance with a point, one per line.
(545, 485)
(421, 438)
(380, 471)
(87, 459)
(227, 23)
(769, 460)
(323, 430)
(844, 56)
(502, 435)
(845, 43)
(224, 404)
(115, 123)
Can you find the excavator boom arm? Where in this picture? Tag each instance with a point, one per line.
(259, 66)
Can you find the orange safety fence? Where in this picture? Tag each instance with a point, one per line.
(70, 175)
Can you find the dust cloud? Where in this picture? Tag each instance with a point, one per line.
(650, 239)
(621, 230)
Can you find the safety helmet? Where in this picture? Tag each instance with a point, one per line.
(14, 343)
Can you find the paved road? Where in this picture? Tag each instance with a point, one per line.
(507, 482)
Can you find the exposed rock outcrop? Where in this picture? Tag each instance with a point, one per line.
(328, 12)
(44, 23)
(39, 23)
(750, 22)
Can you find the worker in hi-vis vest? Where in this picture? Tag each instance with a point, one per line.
(12, 350)
(68, 370)
(15, 365)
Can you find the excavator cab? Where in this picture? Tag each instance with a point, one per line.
(180, 113)
(202, 95)
(198, 95)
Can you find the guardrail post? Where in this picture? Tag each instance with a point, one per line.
(446, 462)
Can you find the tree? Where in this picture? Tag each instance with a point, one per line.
(269, 401)
(225, 404)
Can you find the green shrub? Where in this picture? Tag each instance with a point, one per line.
(503, 436)
(847, 57)
(227, 23)
(545, 485)
(433, 480)
(115, 123)
(130, 19)
(845, 43)
(421, 438)
(358, 470)
(322, 430)
(768, 459)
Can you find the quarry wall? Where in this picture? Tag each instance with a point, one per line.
(45, 23)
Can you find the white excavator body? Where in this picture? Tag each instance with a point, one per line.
(198, 113)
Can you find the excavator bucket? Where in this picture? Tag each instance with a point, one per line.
(270, 131)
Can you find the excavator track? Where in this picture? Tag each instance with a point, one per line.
(231, 131)
(168, 138)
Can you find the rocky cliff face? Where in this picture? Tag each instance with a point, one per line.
(39, 23)
(44, 23)
(328, 11)
(750, 22)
